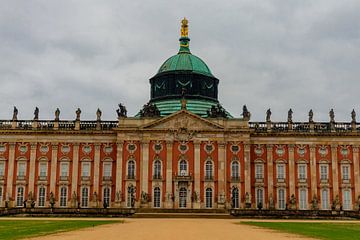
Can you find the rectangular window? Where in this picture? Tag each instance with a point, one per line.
(64, 169)
(281, 199)
(259, 171)
(302, 171)
(20, 197)
(280, 171)
(259, 197)
(324, 199)
(85, 197)
(1, 196)
(41, 197)
(43, 169)
(2, 169)
(345, 172)
(21, 169)
(107, 170)
(324, 172)
(63, 196)
(303, 199)
(85, 169)
(346, 200)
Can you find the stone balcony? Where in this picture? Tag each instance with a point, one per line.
(183, 178)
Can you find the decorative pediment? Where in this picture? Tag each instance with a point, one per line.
(183, 120)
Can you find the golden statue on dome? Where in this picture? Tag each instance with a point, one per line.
(184, 27)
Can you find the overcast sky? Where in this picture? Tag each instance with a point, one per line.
(95, 54)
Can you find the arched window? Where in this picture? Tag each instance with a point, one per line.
(20, 197)
(235, 170)
(208, 198)
(106, 197)
(131, 169)
(183, 168)
(303, 199)
(235, 197)
(208, 169)
(157, 197)
(85, 197)
(157, 169)
(41, 201)
(325, 198)
(281, 198)
(259, 197)
(346, 199)
(63, 197)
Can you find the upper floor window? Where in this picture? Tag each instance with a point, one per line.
(21, 169)
(324, 172)
(208, 169)
(280, 171)
(64, 168)
(183, 168)
(131, 169)
(235, 169)
(345, 169)
(157, 169)
(302, 171)
(2, 168)
(259, 171)
(85, 169)
(43, 169)
(107, 169)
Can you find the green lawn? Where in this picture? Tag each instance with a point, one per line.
(17, 229)
(332, 231)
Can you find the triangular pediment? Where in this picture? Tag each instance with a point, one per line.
(183, 119)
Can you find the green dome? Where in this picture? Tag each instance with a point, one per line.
(185, 61)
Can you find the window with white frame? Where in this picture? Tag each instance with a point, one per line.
(107, 169)
(183, 167)
(235, 169)
(2, 168)
(157, 199)
(208, 198)
(345, 171)
(347, 199)
(41, 201)
(259, 197)
(157, 169)
(302, 171)
(259, 171)
(324, 172)
(63, 196)
(325, 198)
(208, 169)
(106, 196)
(280, 169)
(303, 199)
(281, 198)
(131, 169)
(85, 197)
(64, 169)
(19, 196)
(21, 169)
(85, 169)
(43, 169)
(1, 196)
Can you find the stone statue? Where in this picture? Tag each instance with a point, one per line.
(74, 200)
(15, 113)
(336, 203)
(195, 196)
(332, 116)
(150, 110)
(52, 200)
(30, 196)
(292, 202)
(246, 114)
(222, 198)
(216, 111)
(271, 202)
(247, 198)
(78, 112)
(57, 114)
(118, 197)
(144, 197)
(121, 111)
(268, 115)
(95, 199)
(311, 116)
(314, 203)
(358, 202)
(353, 116)
(290, 113)
(98, 115)
(36, 114)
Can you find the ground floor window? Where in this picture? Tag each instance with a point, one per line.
(41, 201)
(235, 198)
(157, 197)
(63, 197)
(20, 197)
(131, 196)
(259, 197)
(281, 199)
(85, 197)
(325, 199)
(208, 198)
(106, 197)
(303, 199)
(1, 196)
(346, 200)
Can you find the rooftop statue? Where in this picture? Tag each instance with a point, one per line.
(121, 111)
(332, 116)
(78, 112)
(15, 113)
(290, 113)
(311, 116)
(36, 114)
(268, 115)
(246, 114)
(353, 116)
(184, 28)
(98, 114)
(150, 110)
(216, 111)
(57, 114)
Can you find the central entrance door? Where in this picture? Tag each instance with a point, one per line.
(182, 197)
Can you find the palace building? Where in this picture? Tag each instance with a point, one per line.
(182, 150)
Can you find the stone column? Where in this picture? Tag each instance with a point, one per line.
(269, 159)
(144, 167)
(197, 172)
(96, 168)
(75, 168)
(11, 175)
(118, 174)
(32, 167)
(291, 169)
(356, 171)
(221, 173)
(247, 169)
(313, 171)
(169, 148)
(334, 160)
(53, 167)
